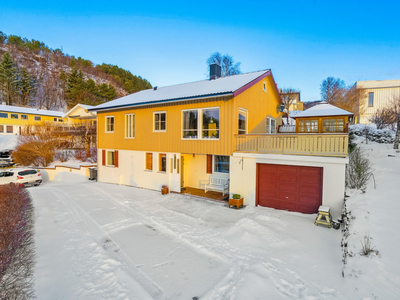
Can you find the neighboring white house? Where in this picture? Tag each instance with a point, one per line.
(378, 95)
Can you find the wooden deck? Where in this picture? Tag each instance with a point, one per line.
(209, 195)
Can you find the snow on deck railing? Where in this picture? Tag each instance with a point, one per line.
(294, 144)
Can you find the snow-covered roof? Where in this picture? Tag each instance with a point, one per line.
(322, 110)
(32, 111)
(76, 107)
(192, 90)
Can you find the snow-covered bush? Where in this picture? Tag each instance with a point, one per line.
(359, 170)
(383, 136)
(17, 243)
(63, 155)
(80, 154)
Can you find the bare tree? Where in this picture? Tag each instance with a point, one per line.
(289, 96)
(394, 107)
(226, 62)
(382, 118)
(332, 90)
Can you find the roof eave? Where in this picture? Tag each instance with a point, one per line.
(162, 101)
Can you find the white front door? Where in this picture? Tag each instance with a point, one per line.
(175, 172)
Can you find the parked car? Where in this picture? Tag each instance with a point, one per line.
(25, 177)
(5, 159)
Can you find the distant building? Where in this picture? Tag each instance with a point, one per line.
(296, 104)
(378, 95)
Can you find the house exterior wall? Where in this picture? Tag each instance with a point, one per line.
(384, 91)
(78, 111)
(131, 171)
(259, 104)
(259, 110)
(243, 166)
(17, 123)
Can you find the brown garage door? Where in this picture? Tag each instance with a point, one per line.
(294, 188)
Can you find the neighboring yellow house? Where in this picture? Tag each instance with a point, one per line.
(79, 113)
(14, 118)
(226, 127)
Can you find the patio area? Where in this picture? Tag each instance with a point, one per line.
(200, 193)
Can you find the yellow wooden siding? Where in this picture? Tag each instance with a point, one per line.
(259, 105)
(30, 121)
(171, 140)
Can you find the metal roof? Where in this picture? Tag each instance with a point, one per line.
(31, 111)
(322, 109)
(193, 90)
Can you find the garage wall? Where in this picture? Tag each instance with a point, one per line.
(243, 182)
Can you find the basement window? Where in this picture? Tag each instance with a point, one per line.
(221, 164)
(110, 158)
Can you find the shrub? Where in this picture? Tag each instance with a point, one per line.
(366, 247)
(359, 170)
(235, 196)
(80, 154)
(17, 249)
(383, 136)
(63, 155)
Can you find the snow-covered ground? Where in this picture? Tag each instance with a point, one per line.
(104, 241)
(8, 142)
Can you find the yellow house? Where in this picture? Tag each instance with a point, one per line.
(79, 113)
(217, 131)
(14, 118)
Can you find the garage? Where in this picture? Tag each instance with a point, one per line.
(286, 187)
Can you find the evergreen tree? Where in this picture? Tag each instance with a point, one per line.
(3, 37)
(75, 85)
(9, 81)
(27, 86)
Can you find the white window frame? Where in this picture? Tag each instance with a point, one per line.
(24, 117)
(200, 123)
(268, 125)
(154, 121)
(107, 160)
(38, 117)
(264, 86)
(131, 128)
(246, 112)
(213, 165)
(159, 162)
(11, 116)
(4, 117)
(109, 117)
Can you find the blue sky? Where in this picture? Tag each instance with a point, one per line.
(168, 42)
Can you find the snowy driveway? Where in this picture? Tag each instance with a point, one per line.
(103, 241)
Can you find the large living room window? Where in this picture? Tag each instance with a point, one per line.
(221, 164)
(210, 123)
(160, 121)
(110, 124)
(242, 122)
(130, 126)
(207, 119)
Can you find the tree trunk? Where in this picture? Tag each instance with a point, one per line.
(397, 138)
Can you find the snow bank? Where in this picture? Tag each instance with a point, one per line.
(8, 142)
(383, 136)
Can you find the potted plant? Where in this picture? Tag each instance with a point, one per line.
(236, 200)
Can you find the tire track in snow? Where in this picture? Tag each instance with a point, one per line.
(207, 242)
(101, 237)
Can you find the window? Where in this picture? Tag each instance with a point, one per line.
(2, 128)
(221, 164)
(55, 119)
(242, 128)
(110, 158)
(371, 99)
(333, 125)
(160, 121)
(24, 117)
(37, 118)
(110, 124)
(149, 161)
(211, 123)
(162, 161)
(130, 126)
(207, 118)
(14, 116)
(308, 125)
(190, 124)
(10, 129)
(271, 125)
(61, 120)
(264, 86)
(4, 115)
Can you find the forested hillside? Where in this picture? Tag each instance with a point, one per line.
(32, 74)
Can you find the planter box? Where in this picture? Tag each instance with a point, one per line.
(236, 202)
